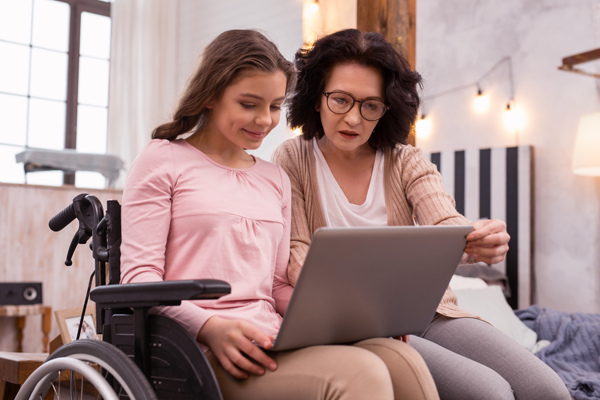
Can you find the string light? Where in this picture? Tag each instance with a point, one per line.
(482, 102)
(514, 118)
(297, 132)
(314, 7)
(423, 127)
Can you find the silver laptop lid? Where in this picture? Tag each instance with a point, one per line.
(361, 283)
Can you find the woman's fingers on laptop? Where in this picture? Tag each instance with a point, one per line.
(230, 341)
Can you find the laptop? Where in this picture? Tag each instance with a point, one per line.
(361, 283)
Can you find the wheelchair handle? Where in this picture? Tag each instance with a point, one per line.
(63, 218)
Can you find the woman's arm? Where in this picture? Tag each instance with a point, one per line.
(432, 205)
(282, 290)
(300, 235)
(424, 190)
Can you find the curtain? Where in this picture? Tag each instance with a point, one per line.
(143, 74)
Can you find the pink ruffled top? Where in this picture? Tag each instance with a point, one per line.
(184, 216)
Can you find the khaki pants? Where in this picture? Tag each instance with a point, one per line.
(372, 369)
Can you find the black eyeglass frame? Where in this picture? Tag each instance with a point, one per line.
(327, 94)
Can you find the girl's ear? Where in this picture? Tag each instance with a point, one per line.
(318, 107)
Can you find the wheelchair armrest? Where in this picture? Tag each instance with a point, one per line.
(152, 294)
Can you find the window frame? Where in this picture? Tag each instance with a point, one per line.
(77, 7)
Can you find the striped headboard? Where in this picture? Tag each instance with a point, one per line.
(497, 183)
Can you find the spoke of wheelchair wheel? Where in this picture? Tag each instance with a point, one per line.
(54, 388)
(71, 384)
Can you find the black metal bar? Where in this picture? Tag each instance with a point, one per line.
(113, 211)
(485, 183)
(141, 335)
(512, 223)
(459, 181)
(436, 158)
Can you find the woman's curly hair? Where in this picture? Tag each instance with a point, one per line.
(401, 84)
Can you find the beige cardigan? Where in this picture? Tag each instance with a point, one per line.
(413, 187)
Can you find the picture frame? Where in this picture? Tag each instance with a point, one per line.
(68, 323)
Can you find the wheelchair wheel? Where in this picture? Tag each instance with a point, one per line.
(119, 370)
(36, 386)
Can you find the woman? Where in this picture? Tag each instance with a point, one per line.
(355, 102)
(201, 208)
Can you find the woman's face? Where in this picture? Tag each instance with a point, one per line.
(249, 108)
(349, 131)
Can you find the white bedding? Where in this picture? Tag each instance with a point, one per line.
(489, 303)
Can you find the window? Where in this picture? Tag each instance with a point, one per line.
(54, 71)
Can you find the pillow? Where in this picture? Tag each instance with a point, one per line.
(490, 304)
(461, 282)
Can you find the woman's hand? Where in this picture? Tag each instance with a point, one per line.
(231, 342)
(488, 242)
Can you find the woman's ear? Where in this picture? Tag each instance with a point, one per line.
(318, 107)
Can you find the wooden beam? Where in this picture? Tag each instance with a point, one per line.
(581, 58)
(396, 21)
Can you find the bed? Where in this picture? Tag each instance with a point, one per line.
(497, 183)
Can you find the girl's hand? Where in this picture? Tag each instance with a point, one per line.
(488, 242)
(231, 342)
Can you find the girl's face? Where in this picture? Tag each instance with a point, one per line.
(249, 108)
(349, 131)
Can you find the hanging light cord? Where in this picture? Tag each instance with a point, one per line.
(506, 59)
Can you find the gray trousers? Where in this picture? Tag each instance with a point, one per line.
(470, 359)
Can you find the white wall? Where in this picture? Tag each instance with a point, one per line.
(459, 41)
(456, 43)
(200, 21)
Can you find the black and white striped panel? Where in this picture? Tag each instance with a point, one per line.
(496, 183)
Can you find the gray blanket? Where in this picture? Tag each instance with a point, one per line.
(575, 349)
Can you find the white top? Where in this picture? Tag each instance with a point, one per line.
(337, 210)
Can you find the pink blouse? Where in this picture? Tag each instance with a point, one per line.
(185, 216)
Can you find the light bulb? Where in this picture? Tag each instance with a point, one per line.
(314, 7)
(297, 132)
(423, 127)
(514, 118)
(482, 102)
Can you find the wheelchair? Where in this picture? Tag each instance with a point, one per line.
(141, 355)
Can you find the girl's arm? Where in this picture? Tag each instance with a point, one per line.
(146, 220)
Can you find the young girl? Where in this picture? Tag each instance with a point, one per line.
(201, 207)
(356, 100)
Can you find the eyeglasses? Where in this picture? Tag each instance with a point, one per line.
(341, 103)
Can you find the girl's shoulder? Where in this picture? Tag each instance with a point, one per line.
(155, 152)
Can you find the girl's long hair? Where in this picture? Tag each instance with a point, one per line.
(229, 54)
